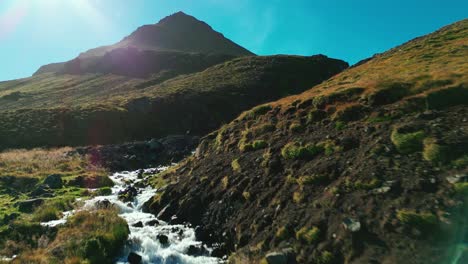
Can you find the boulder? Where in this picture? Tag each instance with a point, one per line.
(42, 190)
(138, 224)
(54, 181)
(152, 223)
(196, 250)
(103, 204)
(163, 239)
(28, 206)
(134, 258)
(276, 258)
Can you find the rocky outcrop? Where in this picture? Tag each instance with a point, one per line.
(143, 154)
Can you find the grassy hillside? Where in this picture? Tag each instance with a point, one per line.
(367, 167)
(60, 110)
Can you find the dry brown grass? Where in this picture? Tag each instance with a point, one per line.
(433, 62)
(42, 162)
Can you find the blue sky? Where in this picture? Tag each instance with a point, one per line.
(37, 32)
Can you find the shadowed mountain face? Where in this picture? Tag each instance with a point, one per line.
(369, 166)
(146, 50)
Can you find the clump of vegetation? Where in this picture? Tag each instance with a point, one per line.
(262, 129)
(225, 182)
(330, 147)
(422, 221)
(235, 165)
(296, 127)
(255, 145)
(258, 111)
(325, 257)
(316, 115)
(308, 235)
(340, 125)
(408, 142)
(246, 195)
(298, 196)
(311, 179)
(282, 233)
(461, 162)
(88, 237)
(435, 152)
(104, 191)
(220, 136)
(461, 188)
(294, 150)
(360, 185)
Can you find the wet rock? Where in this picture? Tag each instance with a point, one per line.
(351, 224)
(163, 239)
(134, 258)
(196, 250)
(152, 223)
(54, 181)
(457, 178)
(28, 206)
(128, 194)
(103, 204)
(276, 258)
(138, 224)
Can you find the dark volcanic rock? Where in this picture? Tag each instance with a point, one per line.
(54, 181)
(134, 258)
(131, 156)
(28, 206)
(163, 239)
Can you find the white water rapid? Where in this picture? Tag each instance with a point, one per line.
(147, 233)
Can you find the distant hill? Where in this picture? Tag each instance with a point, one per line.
(62, 109)
(176, 35)
(368, 167)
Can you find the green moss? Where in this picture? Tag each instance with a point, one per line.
(308, 236)
(461, 188)
(461, 162)
(325, 258)
(295, 150)
(104, 191)
(380, 119)
(340, 125)
(372, 184)
(235, 165)
(219, 137)
(422, 221)
(434, 152)
(330, 147)
(407, 143)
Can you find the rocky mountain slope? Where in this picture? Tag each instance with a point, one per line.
(370, 166)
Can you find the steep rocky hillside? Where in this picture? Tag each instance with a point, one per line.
(370, 166)
(62, 109)
(176, 34)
